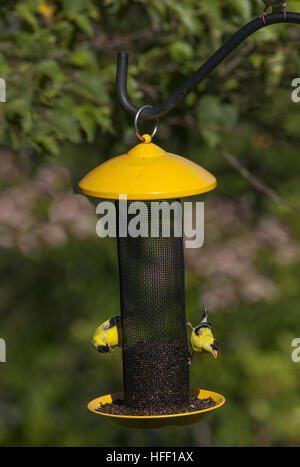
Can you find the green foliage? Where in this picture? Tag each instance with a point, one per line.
(215, 118)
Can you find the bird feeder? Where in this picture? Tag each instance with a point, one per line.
(152, 294)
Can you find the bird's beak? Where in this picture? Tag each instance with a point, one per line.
(215, 353)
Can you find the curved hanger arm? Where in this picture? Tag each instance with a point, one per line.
(199, 75)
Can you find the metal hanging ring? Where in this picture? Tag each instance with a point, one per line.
(136, 118)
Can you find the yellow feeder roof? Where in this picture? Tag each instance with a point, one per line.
(147, 172)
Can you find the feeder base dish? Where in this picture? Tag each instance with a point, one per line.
(157, 421)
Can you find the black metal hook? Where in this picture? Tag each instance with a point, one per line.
(199, 75)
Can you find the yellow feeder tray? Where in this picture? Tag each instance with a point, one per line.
(157, 421)
(147, 172)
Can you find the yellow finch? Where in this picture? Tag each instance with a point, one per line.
(202, 339)
(108, 335)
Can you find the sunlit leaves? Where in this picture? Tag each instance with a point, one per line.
(181, 51)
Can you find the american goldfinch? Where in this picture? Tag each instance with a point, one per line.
(278, 6)
(202, 339)
(108, 335)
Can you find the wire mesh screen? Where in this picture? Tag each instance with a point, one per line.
(155, 348)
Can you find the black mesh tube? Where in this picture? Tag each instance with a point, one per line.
(154, 343)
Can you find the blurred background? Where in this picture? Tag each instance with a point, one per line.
(59, 281)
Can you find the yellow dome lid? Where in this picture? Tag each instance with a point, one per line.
(147, 172)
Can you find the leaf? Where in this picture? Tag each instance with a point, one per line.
(231, 85)
(242, 8)
(94, 11)
(291, 124)
(211, 137)
(83, 23)
(83, 58)
(94, 86)
(86, 120)
(64, 31)
(212, 9)
(102, 118)
(89, 126)
(18, 107)
(5, 67)
(256, 60)
(209, 110)
(65, 126)
(185, 14)
(229, 116)
(212, 111)
(159, 6)
(49, 143)
(181, 51)
(51, 69)
(74, 6)
(215, 118)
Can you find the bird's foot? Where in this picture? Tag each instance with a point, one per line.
(263, 17)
